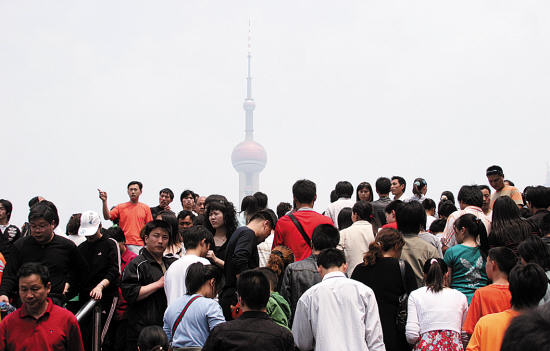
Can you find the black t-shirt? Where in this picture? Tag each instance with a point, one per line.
(102, 258)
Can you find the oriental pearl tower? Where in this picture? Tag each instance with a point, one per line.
(248, 157)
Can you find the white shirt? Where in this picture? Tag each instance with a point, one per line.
(264, 249)
(338, 314)
(334, 208)
(355, 241)
(444, 310)
(174, 279)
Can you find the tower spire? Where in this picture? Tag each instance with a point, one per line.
(249, 104)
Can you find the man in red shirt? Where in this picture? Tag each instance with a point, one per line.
(295, 229)
(133, 215)
(39, 324)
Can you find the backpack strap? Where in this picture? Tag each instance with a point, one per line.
(180, 317)
(300, 229)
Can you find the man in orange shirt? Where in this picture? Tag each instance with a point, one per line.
(495, 297)
(133, 215)
(527, 285)
(495, 176)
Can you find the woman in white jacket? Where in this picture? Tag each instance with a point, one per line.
(436, 313)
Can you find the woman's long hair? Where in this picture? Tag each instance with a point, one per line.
(476, 229)
(385, 240)
(435, 270)
(361, 186)
(508, 228)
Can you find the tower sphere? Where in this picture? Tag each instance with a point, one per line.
(249, 157)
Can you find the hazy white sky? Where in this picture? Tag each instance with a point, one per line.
(97, 93)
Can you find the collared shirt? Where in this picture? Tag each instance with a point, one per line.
(174, 279)
(201, 317)
(334, 208)
(449, 238)
(56, 329)
(253, 331)
(355, 241)
(338, 314)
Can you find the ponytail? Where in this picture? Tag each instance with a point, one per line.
(280, 257)
(476, 229)
(198, 274)
(434, 270)
(385, 240)
(418, 186)
(374, 253)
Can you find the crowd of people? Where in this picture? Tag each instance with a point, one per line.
(394, 273)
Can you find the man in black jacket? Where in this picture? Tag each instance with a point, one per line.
(242, 254)
(254, 330)
(66, 266)
(142, 282)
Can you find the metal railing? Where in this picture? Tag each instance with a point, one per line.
(92, 305)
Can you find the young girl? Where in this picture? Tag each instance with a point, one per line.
(466, 260)
(436, 313)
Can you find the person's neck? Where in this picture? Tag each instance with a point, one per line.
(4, 221)
(391, 253)
(500, 278)
(383, 196)
(196, 251)
(300, 205)
(398, 196)
(157, 257)
(39, 312)
(245, 308)
(471, 242)
(134, 201)
(221, 231)
(315, 252)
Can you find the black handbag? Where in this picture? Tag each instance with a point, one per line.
(401, 317)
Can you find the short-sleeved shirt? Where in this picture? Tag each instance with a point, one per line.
(492, 298)
(468, 269)
(489, 331)
(133, 216)
(508, 190)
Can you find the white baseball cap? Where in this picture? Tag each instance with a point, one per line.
(89, 223)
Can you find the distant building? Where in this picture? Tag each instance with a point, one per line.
(249, 158)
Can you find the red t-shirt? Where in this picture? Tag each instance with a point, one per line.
(133, 216)
(392, 225)
(287, 234)
(56, 329)
(492, 298)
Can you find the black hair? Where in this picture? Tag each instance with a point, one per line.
(470, 195)
(428, 204)
(507, 227)
(494, 170)
(304, 191)
(363, 210)
(325, 236)
(476, 229)
(7, 206)
(46, 210)
(135, 182)
(185, 213)
(447, 195)
(116, 233)
(538, 196)
(386, 239)
(484, 187)
(528, 284)
(435, 270)
(213, 198)
(271, 276)
(156, 223)
(534, 250)
(332, 257)
(199, 220)
(249, 204)
(30, 268)
(170, 218)
(229, 216)
(152, 338)
(34, 201)
(438, 226)
(253, 288)
(528, 331)
(418, 185)
(361, 186)
(401, 181)
(262, 199)
(344, 218)
(410, 217)
(504, 258)
(344, 189)
(283, 208)
(265, 215)
(393, 206)
(194, 235)
(544, 225)
(198, 274)
(445, 208)
(383, 185)
(333, 196)
(186, 193)
(511, 183)
(73, 225)
(168, 192)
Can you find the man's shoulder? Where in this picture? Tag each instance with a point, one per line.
(494, 319)
(62, 313)
(307, 263)
(61, 240)
(185, 261)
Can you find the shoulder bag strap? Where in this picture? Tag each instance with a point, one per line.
(180, 317)
(300, 229)
(402, 269)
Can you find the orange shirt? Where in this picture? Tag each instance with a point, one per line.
(489, 299)
(132, 218)
(489, 331)
(508, 190)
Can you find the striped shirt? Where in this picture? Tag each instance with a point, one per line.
(449, 238)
